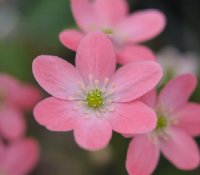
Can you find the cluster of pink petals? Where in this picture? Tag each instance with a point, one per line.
(95, 67)
(175, 141)
(18, 157)
(125, 30)
(18, 154)
(15, 98)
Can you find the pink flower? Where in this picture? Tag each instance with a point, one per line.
(178, 120)
(14, 99)
(18, 157)
(112, 18)
(91, 99)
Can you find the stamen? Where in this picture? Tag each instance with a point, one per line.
(111, 108)
(106, 80)
(161, 122)
(91, 81)
(96, 82)
(95, 99)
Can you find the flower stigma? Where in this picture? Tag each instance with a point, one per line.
(95, 99)
(161, 122)
(108, 31)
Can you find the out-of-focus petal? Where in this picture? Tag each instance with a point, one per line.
(177, 92)
(142, 26)
(21, 157)
(12, 123)
(111, 12)
(150, 98)
(181, 149)
(132, 53)
(71, 38)
(30, 96)
(189, 118)
(85, 14)
(142, 156)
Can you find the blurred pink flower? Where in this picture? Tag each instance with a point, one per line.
(178, 120)
(91, 99)
(18, 157)
(112, 18)
(14, 99)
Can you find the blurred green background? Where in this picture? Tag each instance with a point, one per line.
(29, 28)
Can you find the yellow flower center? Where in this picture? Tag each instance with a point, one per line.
(161, 122)
(108, 31)
(95, 99)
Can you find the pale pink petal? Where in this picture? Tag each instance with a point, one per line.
(150, 98)
(177, 92)
(93, 133)
(189, 118)
(142, 26)
(71, 38)
(142, 157)
(111, 12)
(55, 114)
(85, 15)
(134, 80)
(96, 57)
(12, 124)
(132, 53)
(132, 118)
(181, 150)
(56, 76)
(21, 157)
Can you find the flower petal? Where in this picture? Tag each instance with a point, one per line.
(181, 150)
(142, 26)
(112, 11)
(30, 96)
(134, 80)
(21, 157)
(132, 53)
(17, 94)
(150, 98)
(12, 124)
(93, 133)
(2, 151)
(85, 14)
(55, 114)
(96, 57)
(189, 118)
(142, 157)
(71, 38)
(177, 92)
(56, 76)
(132, 118)
(10, 90)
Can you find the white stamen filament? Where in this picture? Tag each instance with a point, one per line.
(82, 95)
